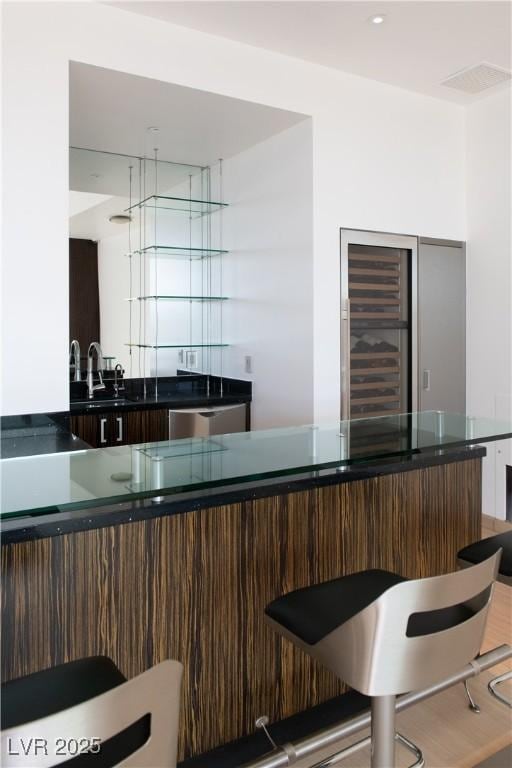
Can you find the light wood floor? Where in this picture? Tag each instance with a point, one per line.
(449, 734)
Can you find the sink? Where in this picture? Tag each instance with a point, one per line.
(101, 403)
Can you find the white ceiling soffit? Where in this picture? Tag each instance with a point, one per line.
(82, 201)
(112, 111)
(417, 47)
(94, 224)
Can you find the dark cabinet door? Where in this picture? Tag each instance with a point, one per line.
(145, 426)
(94, 429)
(116, 429)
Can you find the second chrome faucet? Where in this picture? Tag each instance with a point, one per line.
(91, 386)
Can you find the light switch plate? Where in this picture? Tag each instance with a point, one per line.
(191, 358)
(248, 363)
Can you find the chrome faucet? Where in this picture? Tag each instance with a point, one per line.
(74, 359)
(118, 370)
(91, 387)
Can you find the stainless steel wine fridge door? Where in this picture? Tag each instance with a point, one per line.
(442, 325)
(378, 323)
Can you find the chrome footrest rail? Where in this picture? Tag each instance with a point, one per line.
(347, 751)
(494, 683)
(288, 754)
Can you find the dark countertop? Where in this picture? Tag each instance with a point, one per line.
(181, 391)
(36, 434)
(150, 402)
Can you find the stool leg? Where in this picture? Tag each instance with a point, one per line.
(471, 702)
(383, 732)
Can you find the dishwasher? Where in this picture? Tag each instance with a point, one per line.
(203, 422)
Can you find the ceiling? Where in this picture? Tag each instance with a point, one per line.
(418, 45)
(112, 111)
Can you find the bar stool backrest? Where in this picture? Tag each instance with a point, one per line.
(380, 657)
(155, 692)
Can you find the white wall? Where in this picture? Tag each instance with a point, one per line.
(114, 289)
(383, 158)
(489, 262)
(269, 275)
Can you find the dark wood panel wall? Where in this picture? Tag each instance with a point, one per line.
(193, 587)
(84, 297)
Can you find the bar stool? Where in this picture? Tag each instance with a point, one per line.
(87, 715)
(477, 553)
(385, 635)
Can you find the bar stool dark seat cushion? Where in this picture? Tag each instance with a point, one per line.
(313, 612)
(58, 688)
(481, 550)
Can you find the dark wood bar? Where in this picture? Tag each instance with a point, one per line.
(192, 586)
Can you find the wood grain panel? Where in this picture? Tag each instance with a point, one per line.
(87, 428)
(145, 425)
(193, 587)
(84, 297)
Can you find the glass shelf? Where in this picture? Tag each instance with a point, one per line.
(185, 447)
(175, 346)
(179, 251)
(186, 206)
(356, 323)
(178, 298)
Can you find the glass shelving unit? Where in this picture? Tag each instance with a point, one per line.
(184, 205)
(177, 346)
(177, 251)
(178, 298)
(177, 264)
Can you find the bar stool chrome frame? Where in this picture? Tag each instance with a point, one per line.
(409, 636)
(467, 557)
(109, 715)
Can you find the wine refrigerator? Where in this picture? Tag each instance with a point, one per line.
(403, 324)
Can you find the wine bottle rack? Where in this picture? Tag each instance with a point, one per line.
(376, 289)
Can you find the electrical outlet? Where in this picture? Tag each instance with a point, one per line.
(248, 363)
(191, 358)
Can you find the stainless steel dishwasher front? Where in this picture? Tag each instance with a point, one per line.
(203, 422)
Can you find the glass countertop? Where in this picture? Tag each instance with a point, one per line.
(97, 477)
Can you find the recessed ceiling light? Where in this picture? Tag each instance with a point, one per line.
(377, 19)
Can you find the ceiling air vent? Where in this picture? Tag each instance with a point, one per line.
(477, 78)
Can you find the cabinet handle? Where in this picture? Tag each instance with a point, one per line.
(103, 439)
(119, 428)
(346, 364)
(426, 380)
